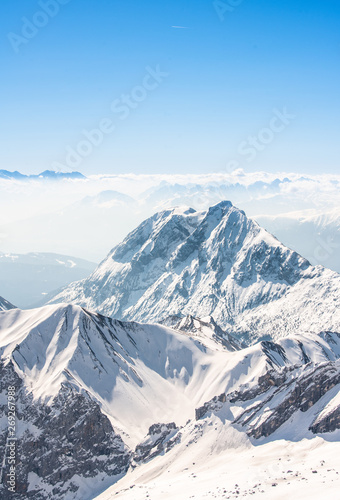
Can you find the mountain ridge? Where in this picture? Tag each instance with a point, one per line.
(45, 175)
(97, 398)
(215, 263)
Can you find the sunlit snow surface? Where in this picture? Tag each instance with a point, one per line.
(143, 374)
(220, 465)
(218, 263)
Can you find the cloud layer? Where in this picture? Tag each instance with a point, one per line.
(87, 217)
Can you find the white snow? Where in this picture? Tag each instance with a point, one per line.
(219, 463)
(217, 263)
(145, 374)
(139, 374)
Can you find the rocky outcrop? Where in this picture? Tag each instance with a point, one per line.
(213, 405)
(265, 382)
(329, 419)
(59, 444)
(216, 263)
(161, 438)
(203, 329)
(299, 392)
(279, 394)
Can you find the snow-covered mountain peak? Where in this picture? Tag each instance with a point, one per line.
(150, 234)
(107, 359)
(116, 394)
(215, 263)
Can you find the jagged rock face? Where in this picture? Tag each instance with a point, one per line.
(217, 263)
(328, 420)
(286, 389)
(5, 305)
(296, 392)
(58, 444)
(203, 330)
(214, 405)
(88, 388)
(161, 438)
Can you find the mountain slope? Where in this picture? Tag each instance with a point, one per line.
(206, 469)
(5, 305)
(216, 263)
(87, 388)
(315, 236)
(95, 397)
(112, 362)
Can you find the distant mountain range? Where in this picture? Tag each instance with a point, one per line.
(29, 279)
(59, 219)
(216, 263)
(46, 175)
(317, 237)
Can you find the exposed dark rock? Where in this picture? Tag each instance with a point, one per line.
(280, 393)
(328, 423)
(299, 391)
(270, 349)
(194, 326)
(160, 439)
(58, 441)
(214, 404)
(267, 381)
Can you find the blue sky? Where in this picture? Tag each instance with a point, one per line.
(227, 72)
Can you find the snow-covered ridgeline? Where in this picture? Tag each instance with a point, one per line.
(144, 390)
(216, 263)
